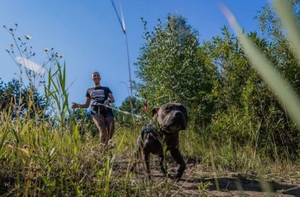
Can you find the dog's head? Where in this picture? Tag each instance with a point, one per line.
(171, 117)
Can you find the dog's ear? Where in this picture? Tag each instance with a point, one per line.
(184, 110)
(155, 111)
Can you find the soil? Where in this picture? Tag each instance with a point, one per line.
(199, 181)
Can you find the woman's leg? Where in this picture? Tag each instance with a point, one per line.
(110, 123)
(98, 119)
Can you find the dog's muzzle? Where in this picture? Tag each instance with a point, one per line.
(174, 122)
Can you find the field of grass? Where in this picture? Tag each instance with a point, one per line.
(40, 160)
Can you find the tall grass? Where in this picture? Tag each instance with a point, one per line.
(57, 96)
(38, 160)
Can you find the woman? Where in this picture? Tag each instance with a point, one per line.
(103, 117)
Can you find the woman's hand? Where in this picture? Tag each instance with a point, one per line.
(106, 102)
(74, 105)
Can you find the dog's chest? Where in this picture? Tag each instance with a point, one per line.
(152, 139)
(150, 131)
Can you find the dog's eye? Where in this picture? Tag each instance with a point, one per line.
(167, 109)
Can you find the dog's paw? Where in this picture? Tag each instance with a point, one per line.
(131, 168)
(170, 176)
(176, 177)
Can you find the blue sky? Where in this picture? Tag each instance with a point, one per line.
(90, 38)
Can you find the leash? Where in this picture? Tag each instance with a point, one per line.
(125, 112)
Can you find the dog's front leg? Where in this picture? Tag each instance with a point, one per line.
(172, 142)
(178, 158)
(161, 164)
(146, 162)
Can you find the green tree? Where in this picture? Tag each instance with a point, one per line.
(171, 69)
(21, 100)
(137, 105)
(247, 112)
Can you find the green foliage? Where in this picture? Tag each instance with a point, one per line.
(137, 106)
(21, 101)
(171, 69)
(85, 123)
(276, 124)
(56, 93)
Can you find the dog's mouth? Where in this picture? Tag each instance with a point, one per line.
(172, 127)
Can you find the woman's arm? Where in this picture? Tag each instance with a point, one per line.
(111, 99)
(85, 105)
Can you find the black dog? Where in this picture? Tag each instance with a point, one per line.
(171, 118)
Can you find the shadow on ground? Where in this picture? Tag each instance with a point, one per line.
(240, 184)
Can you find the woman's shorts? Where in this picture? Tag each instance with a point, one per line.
(104, 111)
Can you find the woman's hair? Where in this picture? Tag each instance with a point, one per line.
(95, 72)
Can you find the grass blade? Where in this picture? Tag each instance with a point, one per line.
(290, 22)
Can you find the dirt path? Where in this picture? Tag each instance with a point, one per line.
(198, 181)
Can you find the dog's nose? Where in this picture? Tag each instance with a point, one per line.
(178, 114)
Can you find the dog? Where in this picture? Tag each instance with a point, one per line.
(171, 118)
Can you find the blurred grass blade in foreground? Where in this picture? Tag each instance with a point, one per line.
(290, 22)
(280, 87)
